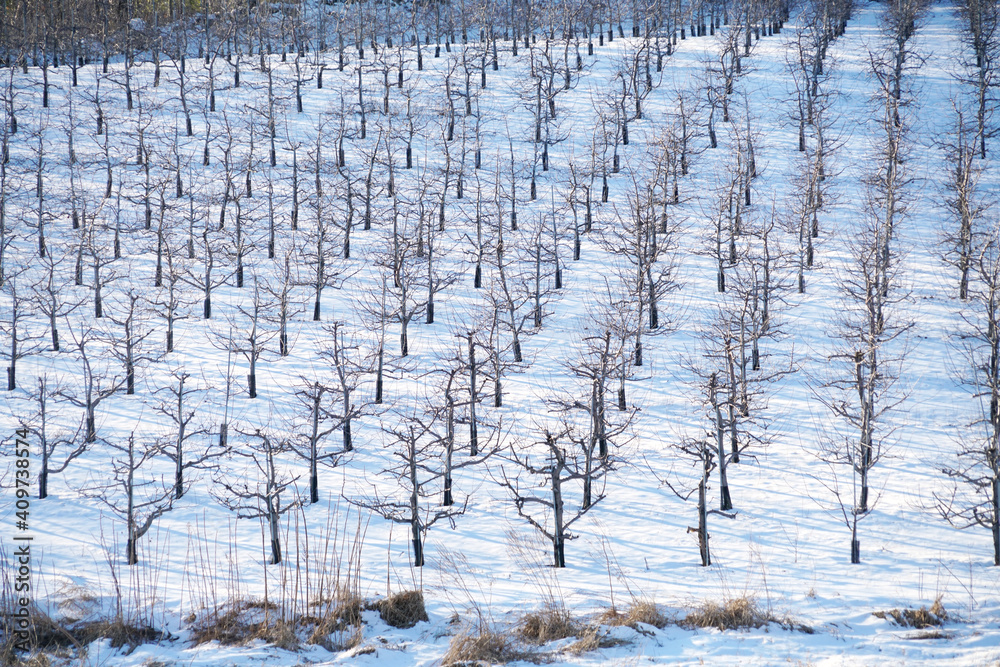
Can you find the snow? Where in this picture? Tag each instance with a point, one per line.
(787, 546)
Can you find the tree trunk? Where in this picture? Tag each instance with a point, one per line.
(855, 544)
(314, 437)
(996, 516)
(449, 449)
(706, 556)
(725, 502)
(131, 554)
(378, 378)
(179, 470)
(418, 547)
(271, 500)
(275, 541)
(130, 549)
(558, 531)
(866, 435)
(473, 428)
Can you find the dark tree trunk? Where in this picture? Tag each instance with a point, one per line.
(132, 555)
(706, 556)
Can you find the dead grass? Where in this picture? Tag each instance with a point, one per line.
(36, 660)
(48, 635)
(742, 613)
(44, 634)
(482, 647)
(548, 624)
(339, 625)
(243, 622)
(934, 617)
(77, 603)
(402, 610)
(734, 614)
(120, 633)
(931, 634)
(640, 612)
(739, 614)
(593, 639)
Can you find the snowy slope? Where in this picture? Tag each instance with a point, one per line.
(787, 546)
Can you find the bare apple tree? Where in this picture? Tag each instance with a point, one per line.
(134, 494)
(973, 499)
(255, 490)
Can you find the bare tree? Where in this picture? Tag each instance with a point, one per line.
(24, 339)
(558, 467)
(186, 456)
(342, 353)
(172, 299)
(417, 447)
(644, 237)
(97, 380)
(54, 301)
(981, 21)
(246, 333)
(602, 432)
(206, 278)
(702, 453)
(130, 346)
(66, 442)
(255, 491)
(320, 246)
(965, 203)
(862, 392)
(134, 495)
(286, 304)
(974, 473)
(330, 405)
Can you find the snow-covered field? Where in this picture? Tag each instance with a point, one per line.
(785, 545)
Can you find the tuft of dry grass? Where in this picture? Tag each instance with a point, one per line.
(592, 639)
(934, 617)
(481, 647)
(34, 660)
(335, 624)
(548, 624)
(931, 634)
(243, 622)
(119, 632)
(640, 612)
(734, 614)
(738, 614)
(77, 603)
(55, 637)
(339, 628)
(402, 610)
(44, 634)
